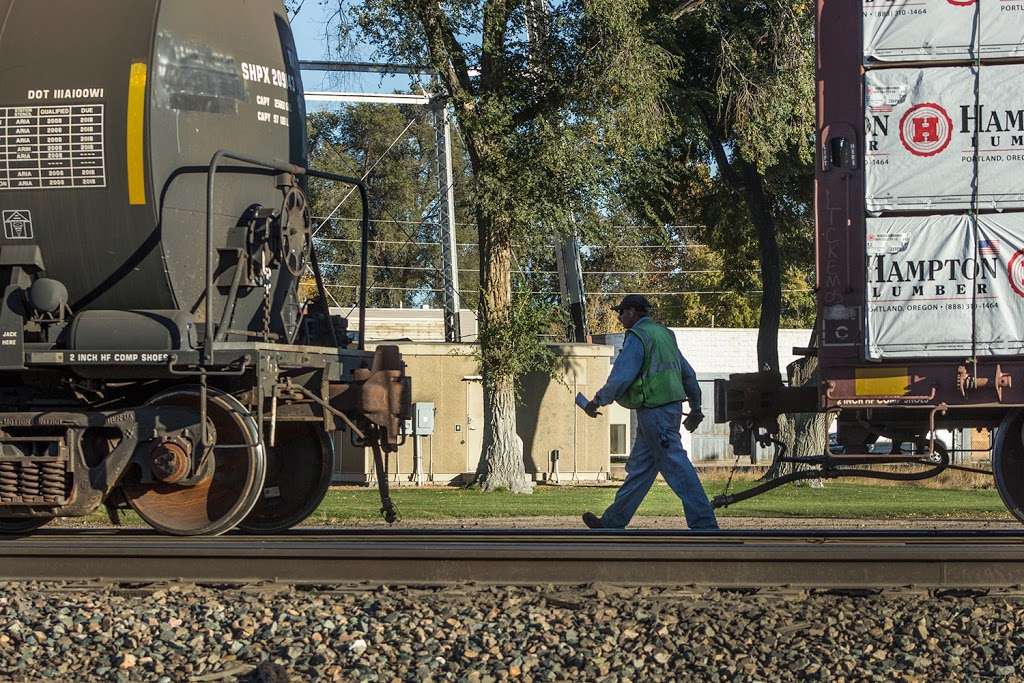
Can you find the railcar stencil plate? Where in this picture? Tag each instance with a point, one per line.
(18, 224)
(56, 147)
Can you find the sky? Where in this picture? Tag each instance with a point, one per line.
(309, 28)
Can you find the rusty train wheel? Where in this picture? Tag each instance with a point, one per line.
(21, 525)
(1008, 463)
(298, 476)
(223, 498)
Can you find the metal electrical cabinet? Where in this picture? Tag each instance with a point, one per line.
(423, 415)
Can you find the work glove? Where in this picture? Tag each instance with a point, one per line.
(693, 421)
(591, 409)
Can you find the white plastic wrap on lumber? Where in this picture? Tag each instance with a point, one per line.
(942, 30)
(944, 139)
(945, 286)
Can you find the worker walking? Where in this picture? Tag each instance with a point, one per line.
(652, 377)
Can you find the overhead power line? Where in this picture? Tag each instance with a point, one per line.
(541, 272)
(719, 292)
(386, 220)
(393, 242)
(354, 240)
(470, 224)
(747, 292)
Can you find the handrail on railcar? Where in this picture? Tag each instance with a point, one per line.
(209, 341)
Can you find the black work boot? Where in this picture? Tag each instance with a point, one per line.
(592, 521)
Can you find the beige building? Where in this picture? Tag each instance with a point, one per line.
(409, 324)
(559, 441)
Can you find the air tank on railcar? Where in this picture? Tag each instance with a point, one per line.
(154, 351)
(920, 245)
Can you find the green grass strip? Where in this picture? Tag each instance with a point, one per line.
(837, 500)
(840, 500)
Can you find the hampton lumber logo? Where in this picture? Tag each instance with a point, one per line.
(926, 129)
(896, 278)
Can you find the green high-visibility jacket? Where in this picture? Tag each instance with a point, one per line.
(661, 376)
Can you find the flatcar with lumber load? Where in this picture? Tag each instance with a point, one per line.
(919, 206)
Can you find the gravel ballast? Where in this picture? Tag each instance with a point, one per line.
(65, 632)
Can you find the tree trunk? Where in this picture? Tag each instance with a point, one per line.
(802, 433)
(501, 463)
(771, 267)
(747, 181)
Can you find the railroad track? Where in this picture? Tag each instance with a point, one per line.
(851, 559)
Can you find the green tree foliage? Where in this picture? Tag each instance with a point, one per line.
(740, 164)
(395, 148)
(552, 119)
(686, 280)
(745, 101)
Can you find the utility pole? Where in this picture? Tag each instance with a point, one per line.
(446, 222)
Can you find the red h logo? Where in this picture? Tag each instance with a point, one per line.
(926, 129)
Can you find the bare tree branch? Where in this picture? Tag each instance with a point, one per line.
(442, 43)
(718, 150)
(686, 7)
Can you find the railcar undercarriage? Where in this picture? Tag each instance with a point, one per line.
(263, 462)
(752, 402)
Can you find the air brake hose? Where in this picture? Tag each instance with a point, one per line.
(387, 507)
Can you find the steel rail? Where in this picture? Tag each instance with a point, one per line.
(981, 559)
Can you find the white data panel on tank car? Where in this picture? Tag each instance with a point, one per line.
(944, 139)
(945, 286)
(935, 30)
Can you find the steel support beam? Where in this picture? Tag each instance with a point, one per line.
(445, 180)
(364, 67)
(374, 98)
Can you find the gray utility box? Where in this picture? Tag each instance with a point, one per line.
(424, 418)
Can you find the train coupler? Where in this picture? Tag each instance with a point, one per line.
(385, 395)
(751, 403)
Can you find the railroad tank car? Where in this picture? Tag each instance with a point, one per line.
(919, 209)
(154, 351)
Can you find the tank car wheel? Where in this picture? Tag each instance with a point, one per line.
(223, 498)
(21, 525)
(298, 475)
(1008, 462)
